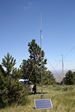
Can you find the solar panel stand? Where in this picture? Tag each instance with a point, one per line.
(42, 96)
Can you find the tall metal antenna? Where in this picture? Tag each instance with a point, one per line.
(41, 31)
(41, 54)
(62, 67)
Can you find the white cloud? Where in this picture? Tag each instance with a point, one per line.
(27, 5)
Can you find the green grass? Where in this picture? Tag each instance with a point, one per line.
(63, 99)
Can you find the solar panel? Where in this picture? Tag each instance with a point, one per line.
(43, 104)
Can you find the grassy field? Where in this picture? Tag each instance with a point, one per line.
(63, 99)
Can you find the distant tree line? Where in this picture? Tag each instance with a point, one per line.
(69, 78)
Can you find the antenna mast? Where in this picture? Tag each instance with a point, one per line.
(41, 54)
(62, 67)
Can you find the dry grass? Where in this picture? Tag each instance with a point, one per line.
(63, 99)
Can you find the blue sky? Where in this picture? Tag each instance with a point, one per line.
(20, 23)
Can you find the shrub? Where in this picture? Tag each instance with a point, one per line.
(12, 92)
